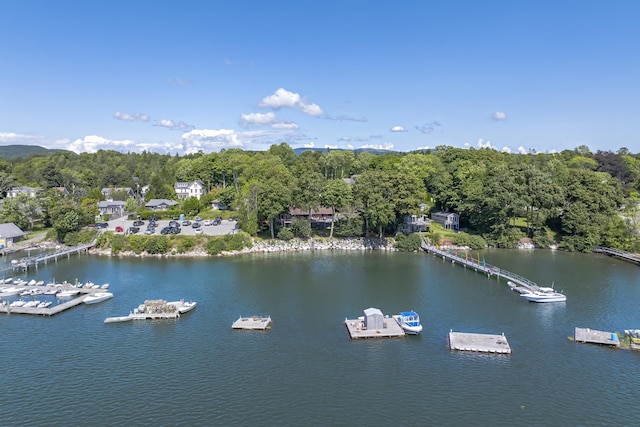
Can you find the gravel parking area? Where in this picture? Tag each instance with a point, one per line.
(226, 227)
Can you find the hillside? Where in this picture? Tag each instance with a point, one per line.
(21, 151)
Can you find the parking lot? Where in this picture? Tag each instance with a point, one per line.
(225, 227)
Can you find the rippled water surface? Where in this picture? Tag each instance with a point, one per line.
(72, 369)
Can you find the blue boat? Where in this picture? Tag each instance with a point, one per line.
(409, 321)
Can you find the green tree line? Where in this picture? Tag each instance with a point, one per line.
(575, 198)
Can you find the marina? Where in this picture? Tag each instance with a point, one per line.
(373, 325)
(62, 292)
(592, 336)
(483, 343)
(252, 323)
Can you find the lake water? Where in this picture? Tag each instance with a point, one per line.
(72, 369)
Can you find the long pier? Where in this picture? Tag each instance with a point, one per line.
(55, 309)
(483, 267)
(627, 256)
(26, 263)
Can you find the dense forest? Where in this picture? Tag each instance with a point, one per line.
(575, 199)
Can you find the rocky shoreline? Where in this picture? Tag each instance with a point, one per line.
(270, 246)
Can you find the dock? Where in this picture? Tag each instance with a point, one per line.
(357, 329)
(592, 336)
(483, 343)
(252, 323)
(626, 256)
(153, 309)
(522, 283)
(25, 263)
(54, 309)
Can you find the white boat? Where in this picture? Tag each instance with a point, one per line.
(44, 304)
(95, 286)
(51, 291)
(543, 294)
(67, 294)
(18, 303)
(105, 286)
(33, 303)
(97, 297)
(32, 282)
(118, 319)
(40, 283)
(11, 292)
(409, 321)
(183, 306)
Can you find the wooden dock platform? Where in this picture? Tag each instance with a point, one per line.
(488, 269)
(484, 343)
(586, 335)
(390, 329)
(252, 323)
(626, 256)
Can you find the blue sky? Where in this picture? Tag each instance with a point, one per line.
(180, 77)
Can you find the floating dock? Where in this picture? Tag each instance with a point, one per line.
(483, 343)
(390, 329)
(253, 322)
(154, 309)
(586, 335)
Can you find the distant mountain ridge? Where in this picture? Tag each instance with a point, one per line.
(19, 151)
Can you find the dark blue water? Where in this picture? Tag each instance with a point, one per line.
(72, 369)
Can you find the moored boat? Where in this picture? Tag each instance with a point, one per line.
(97, 297)
(409, 321)
(67, 294)
(118, 319)
(183, 306)
(543, 294)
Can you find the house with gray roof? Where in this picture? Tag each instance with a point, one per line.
(108, 191)
(160, 204)
(15, 191)
(115, 208)
(9, 234)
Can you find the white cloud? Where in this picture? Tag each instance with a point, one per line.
(20, 138)
(427, 128)
(211, 139)
(93, 143)
(552, 151)
(284, 125)
(309, 145)
(398, 129)
(170, 124)
(282, 98)
(481, 143)
(258, 118)
(350, 147)
(179, 82)
(522, 150)
(499, 116)
(426, 147)
(331, 147)
(345, 139)
(506, 150)
(385, 146)
(131, 117)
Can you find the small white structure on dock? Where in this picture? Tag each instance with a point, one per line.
(253, 322)
(484, 343)
(373, 325)
(586, 335)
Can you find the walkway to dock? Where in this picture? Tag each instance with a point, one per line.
(627, 256)
(26, 263)
(483, 267)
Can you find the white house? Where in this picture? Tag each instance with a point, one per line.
(449, 220)
(30, 191)
(184, 190)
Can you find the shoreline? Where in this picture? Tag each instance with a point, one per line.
(270, 246)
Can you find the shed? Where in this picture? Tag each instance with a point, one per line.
(9, 234)
(373, 318)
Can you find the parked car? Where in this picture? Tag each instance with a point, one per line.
(216, 222)
(207, 222)
(149, 231)
(174, 224)
(138, 223)
(196, 225)
(198, 218)
(198, 230)
(134, 230)
(119, 229)
(166, 230)
(186, 223)
(102, 225)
